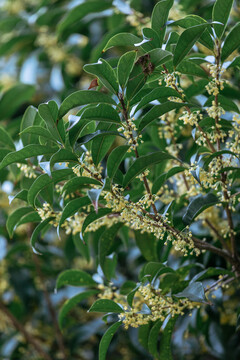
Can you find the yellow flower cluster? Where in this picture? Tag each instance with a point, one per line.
(57, 52)
(234, 135)
(87, 167)
(216, 83)
(159, 306)
(129, 131)
(171, 80)
(191, 118)
(28, 171)
(215, 111)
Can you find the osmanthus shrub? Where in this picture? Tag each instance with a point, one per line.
(149, 155)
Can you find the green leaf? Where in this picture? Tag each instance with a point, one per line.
(159, 18)
(193, 292)
(77, 182)
(153, 270)
(81, 246)
(103, 70)
(143, 332)
(103, 113)
(106, 243)
(83, 97)
(28, 120)
(27, 152)
(192, 20)
(44, 180)
(224, 102)
(165, 176)
(13, 98)
(209, 273)
(186, 41)
(190, 68)
(106, 305)
(49, 113)
(159, 56)
(74, 278)
(63, 155)
(78, 12)
(97, 134)
(94, 195)
(22, 195)
(71, 303)
(6, 139)
(147, 244)
(72, 207)
(156, 111)
(37, 231)
(15, 217)
(106, 339)
(125, 66)
(101, 145)
(198, 205)
(165, 342)
(39, 131)
(157, 94)
(93, 216)
(231, 43)
(141, 163)
(221, 12)
(115, 159)
(122, 39)
(153, 338)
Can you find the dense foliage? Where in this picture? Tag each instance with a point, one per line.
(120, 235)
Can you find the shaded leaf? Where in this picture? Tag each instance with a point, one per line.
(221, 12)
(125, 66)
(193, 292)
(159, 18)
(72, 207)
(231, 43)
(115, 159)
(15, 217)
(198, 205)
(74, 278)
(106, 339)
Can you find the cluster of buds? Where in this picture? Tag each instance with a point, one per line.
(191, 118)
(234, 135)
(46, 212)
(28, 171)
(215, 110)
(216, 83)
(86, 167)
(159, 306)
(130, 132)
(171, 80)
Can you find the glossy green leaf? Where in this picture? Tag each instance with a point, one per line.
(6, 139)
(28, 120)
(141, 163)
(231, 43)
(71, 303)
(72, 207)
(103, 113)
(101, 145)
(39, 131)
(63, 155)
(106, 339)
(165, 176)
(153, 338)
(74, 278)
(209, 273)
(77, 183)
(83, 97)
(159, 56)
(221, 12)
(122, 39)
(103, 70)
(157, 94)
(156, 111)
(37, 231)
(147, 244)
(115, 159)
(198, 205)
(106, 243)
(78, 12)
(13, 98)
(15, 217)
(165, 351)
(190, 68)
(125, 66)
(193, 292)
(49, 113)
(160, 17)
(44, 180)
(186, 41)
(93, 216)
(97, 134)
(106, 305)
(25, 153)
